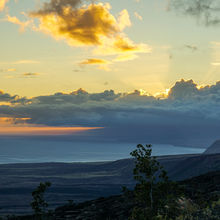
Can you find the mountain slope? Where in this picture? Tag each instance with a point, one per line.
(85, 181)
(214, 148)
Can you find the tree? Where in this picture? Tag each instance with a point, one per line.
(39, 204)
(155, 196)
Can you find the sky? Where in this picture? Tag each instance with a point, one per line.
(142, 70)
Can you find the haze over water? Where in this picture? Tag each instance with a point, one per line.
(35, 151)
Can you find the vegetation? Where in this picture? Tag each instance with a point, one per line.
(39, 205)
(155, 196)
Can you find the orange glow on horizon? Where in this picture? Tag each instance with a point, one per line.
(19, 126)
(43, 130)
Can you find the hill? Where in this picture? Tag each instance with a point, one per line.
(86, 181)
(202, 188)
(214, 148)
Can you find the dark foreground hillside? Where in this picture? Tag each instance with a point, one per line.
(85, 181)
(203, 192)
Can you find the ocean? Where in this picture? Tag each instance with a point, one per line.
(18, 150)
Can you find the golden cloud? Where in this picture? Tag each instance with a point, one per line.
(102, 64)
(87, 25)
(90, 25)
(8, 70)
(11, 70)
(2, 4)
(15, 20)
(82, 26)
(125, 57)
(30, 74)
(138, 16)
(122, 45)
(215, 64)
(94, 62)
(26, 62)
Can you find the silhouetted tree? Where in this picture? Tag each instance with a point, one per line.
(39, 204)
(155, 196)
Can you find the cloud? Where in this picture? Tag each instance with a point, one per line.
(125, 57)
(90, 25)
(79, 26)
(5, 97)
(206, 12)
(41, 130)
(138, 16)
(82, 25)
(8, 99)
(11, 70)
(8, 70)
(2, 4)
(123, 20)
(183, 90)
(26, 62)
(215, 64)
(191, 47)
(57, 6)
(93, 61)
(30, 74)
(122, 46)
(15, 20)
(102, 64)
(188, 115)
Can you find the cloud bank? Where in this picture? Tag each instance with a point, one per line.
(188, 115)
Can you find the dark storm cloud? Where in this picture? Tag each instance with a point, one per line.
(206, 12)
(187, 116)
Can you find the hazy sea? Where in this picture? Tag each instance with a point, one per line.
(35, 151)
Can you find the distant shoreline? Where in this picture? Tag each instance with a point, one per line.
(40, 151)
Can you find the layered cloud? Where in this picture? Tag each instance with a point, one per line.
(205, 11)
(188, 115)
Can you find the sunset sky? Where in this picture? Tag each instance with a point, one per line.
(128, 57)
(165, 46)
